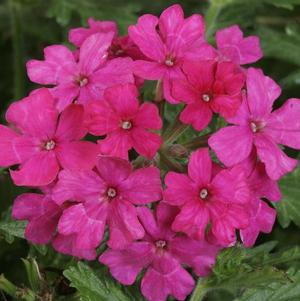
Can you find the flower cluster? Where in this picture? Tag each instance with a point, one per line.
(98, 160)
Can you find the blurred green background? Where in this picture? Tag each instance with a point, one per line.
(27, 26)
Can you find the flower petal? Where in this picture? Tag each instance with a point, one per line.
(276, 161)
(125, 265)
(124, 226)
(143, 186)
(232, 144)
(200, 167)
(40, 170)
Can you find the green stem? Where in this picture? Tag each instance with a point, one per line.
(171, 163)
(201, 141)
(8, 287)
(212, 15)
(200, 290)
(174, 131)
(17, 43)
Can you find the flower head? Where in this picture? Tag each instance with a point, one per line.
(125, 122)
(44, 141)
(162, 253)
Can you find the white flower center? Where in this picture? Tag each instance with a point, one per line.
(169, 62)
(206, 97)
(83, 81)
(254, 127)
(50, 145)
(203, 193)
(126, 125)
(161, 244)
(111, 192)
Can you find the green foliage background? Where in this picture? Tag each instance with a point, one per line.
(269, 272)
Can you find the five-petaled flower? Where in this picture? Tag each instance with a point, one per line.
(162, 252)
(42, 141)
(256, 125)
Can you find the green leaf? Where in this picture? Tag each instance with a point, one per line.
(239, 269)
(275, 291)
(289, 208)
(94, 288)
(288, 4)
(279, 45)
(13, 228)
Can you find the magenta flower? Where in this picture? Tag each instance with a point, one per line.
(161, 252)
(166, 42)
(262, 216)
(43, 140)
(84, 80)
(209, 87)
(262, 219)
(232, 46)
(207, 197)
(77, 36)
(106, 196)
(42, 214)
(126, 123)
(255, 125)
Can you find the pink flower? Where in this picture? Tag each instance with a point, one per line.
(209, 87)
(255, 125)
(262, 219)
(84, 80)
(42, 214)
(43, 140)
(106, 196)
(77, 36)
(168, 41)
(120, 47)
(125, 122)
(232, 46)
(162, 252)
(124, 47)
(262, 216)
(206, 196)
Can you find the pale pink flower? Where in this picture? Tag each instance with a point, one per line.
(207, 197)
(43, 141)
(167, 41)
(232, 46)
(161, 252)
(256, 125)
(106, 196)
(125, 122)
(84, 80)
(209, 87)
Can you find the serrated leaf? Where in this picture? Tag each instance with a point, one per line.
(93, 288)
(289, 208)
(13, 228)
(275, 292)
